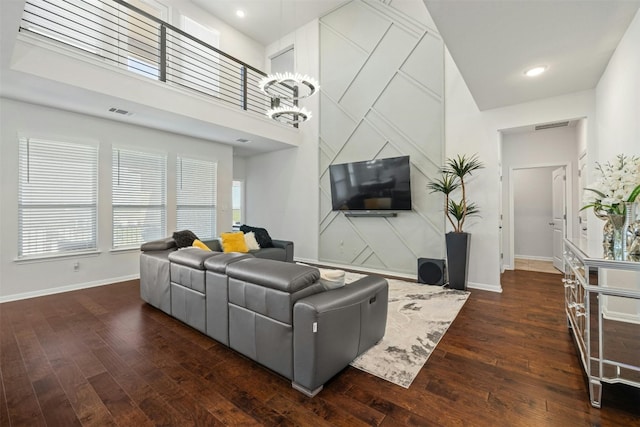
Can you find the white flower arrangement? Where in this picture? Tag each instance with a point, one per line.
(618, 182)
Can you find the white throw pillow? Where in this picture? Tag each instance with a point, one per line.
(251, 242)
(331, 279)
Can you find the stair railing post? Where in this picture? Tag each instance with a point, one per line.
(243, 76)
(163, 53)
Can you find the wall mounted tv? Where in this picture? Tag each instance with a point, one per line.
(374, 185)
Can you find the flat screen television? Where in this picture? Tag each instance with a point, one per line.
(373, 185)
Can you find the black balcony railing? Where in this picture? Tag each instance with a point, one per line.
(130, 38)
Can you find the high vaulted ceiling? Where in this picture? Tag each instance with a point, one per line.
(266, 21)
(491, 41)
(494, 41)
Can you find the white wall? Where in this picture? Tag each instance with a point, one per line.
(466, 132)
(24, 279)
(469, 130)
(232, 41)
(533, 209)
(239, 168)
(282, 186)
(618, 99)
(556, 146)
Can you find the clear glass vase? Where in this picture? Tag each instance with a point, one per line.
(618, 236)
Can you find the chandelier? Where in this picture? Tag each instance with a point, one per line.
(291, 115)
(277, 87)
(296, 80)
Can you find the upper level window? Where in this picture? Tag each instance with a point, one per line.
(196, 195)
(138, 197)
(57, 197)
(139, 37)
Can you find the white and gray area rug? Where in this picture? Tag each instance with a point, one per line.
(418, 317)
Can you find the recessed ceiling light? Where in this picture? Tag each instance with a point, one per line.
(240, 13)
(535, 71)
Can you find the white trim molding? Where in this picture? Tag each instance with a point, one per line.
(69, 288)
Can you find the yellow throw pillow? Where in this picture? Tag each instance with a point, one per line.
(234, 242)
(198, 244)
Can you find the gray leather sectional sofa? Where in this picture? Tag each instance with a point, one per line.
(276, 313)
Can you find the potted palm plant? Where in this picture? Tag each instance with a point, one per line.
(452, 181)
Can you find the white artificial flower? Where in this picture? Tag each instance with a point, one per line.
(615, 182)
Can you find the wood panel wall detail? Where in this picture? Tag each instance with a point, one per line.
(382, 76)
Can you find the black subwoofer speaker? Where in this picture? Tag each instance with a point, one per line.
(431, 271)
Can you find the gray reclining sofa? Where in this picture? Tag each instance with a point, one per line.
(276, 313)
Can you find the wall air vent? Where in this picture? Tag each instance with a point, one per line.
(243, 141)
(120, 111)
(552, 125)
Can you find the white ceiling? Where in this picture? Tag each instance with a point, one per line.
(266, 21)
(494, 41)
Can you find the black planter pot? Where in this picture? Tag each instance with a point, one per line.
(458, 259)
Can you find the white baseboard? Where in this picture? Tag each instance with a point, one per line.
(359, 268)
(61, 289)
(472, 285)
(534, 258)
(485, 287)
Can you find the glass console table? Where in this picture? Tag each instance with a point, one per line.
(602, 303)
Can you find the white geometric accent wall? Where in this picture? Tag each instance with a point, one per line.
(382, 77)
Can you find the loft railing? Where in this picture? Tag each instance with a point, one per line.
(130, 38)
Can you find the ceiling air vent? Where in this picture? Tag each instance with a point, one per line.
(120, 111)
(552, 125)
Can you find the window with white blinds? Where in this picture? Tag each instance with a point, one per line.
(196, 196)
(138, 197)
(57, 197)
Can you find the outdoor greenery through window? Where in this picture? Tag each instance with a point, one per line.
(196, 196)
(57, 197)
(138, 197)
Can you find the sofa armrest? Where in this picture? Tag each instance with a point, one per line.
(159, 245)
(332, 328)
(287, 246)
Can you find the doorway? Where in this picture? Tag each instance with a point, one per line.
(531, 231)
(538, 206)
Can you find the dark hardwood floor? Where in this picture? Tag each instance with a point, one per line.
(103, 357)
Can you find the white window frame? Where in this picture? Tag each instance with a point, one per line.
(239, 183)
(138, 187)
(57, 198)
(194, 193)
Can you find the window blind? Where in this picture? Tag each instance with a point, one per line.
(138, 197)
(57, 197)
(196, 196)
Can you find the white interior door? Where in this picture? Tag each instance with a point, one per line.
(558, 222)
